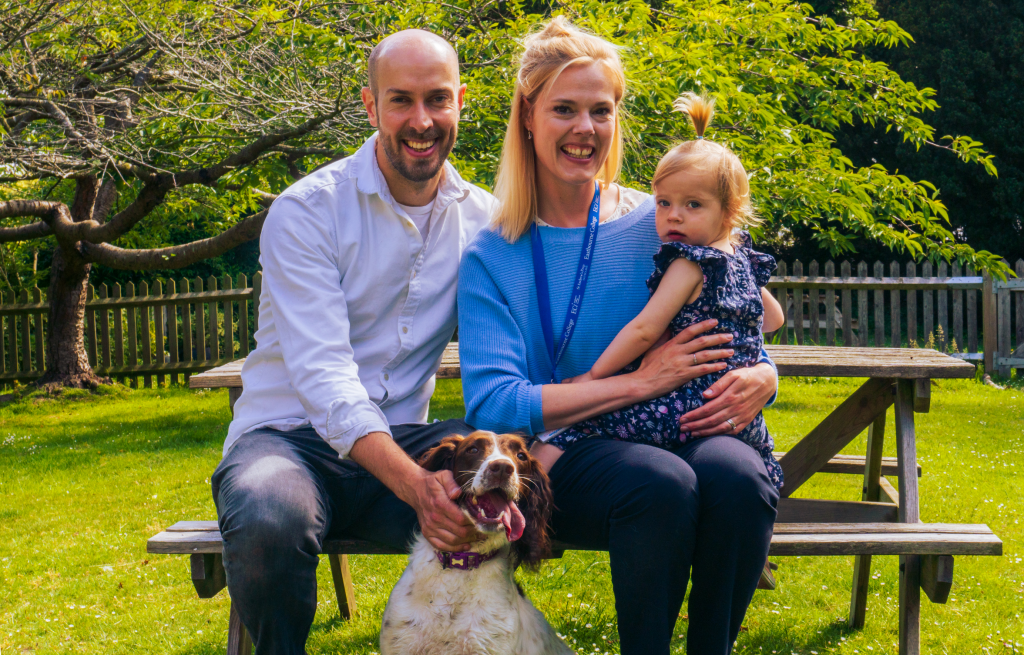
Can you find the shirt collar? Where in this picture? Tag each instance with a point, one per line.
(370, 180)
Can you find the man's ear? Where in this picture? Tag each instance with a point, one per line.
(461, 96)
(441, 456)
(371, 105)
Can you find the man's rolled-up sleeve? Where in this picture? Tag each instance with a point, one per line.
(301, 267)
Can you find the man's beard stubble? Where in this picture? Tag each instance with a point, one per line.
(420, 170)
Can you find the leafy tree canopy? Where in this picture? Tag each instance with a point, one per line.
(220, 77)
(972, 53)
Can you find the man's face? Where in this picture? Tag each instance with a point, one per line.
(416, 109)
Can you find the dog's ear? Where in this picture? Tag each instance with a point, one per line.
(536, 504)
(441, 456)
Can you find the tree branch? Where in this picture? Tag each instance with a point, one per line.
(25, 232)
(175, 256)
(44, 209)
(210, 174)
(149, 198)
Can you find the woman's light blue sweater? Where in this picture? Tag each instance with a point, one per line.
(501, 347)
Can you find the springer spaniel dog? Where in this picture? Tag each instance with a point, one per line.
(469, 603)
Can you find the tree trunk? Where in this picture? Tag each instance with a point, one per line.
(67, 364)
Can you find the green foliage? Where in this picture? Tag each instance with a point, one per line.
(786, 84)
(972, 54)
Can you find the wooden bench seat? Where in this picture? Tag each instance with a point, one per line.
(936, 543)
(885, 521)
(203, 538)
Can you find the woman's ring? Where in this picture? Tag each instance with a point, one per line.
(731, 424)
(694, 359)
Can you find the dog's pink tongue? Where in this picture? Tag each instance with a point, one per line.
(513, 521)
(510, 515)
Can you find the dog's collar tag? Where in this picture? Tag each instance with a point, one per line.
(464, 561)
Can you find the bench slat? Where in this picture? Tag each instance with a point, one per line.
(194, 526)
(789, 539)
(886, 544)
(780, 528)
(883, 528)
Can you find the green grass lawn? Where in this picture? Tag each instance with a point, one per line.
(85, 480)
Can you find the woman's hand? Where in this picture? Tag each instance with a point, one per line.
(683, 358)
(738, 395)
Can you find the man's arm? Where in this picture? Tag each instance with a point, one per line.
(301, 267)
(430, 494)
(310, 313)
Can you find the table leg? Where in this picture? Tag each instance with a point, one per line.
(234, 393)
(910, 565)
(343, 588)
(871, 492)
(239, 642)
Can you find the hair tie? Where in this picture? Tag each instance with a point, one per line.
(701, 136)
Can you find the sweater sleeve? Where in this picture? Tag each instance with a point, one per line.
(765, 359)
(498, 393)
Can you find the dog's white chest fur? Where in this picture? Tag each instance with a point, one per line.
(435, 611)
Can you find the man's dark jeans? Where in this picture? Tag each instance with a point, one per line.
(702, 513)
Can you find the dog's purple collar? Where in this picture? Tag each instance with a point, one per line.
(463, 561)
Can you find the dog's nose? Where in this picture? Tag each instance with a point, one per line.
(500, 468)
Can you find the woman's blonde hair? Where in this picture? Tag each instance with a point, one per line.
(546, 53)
(732, 187)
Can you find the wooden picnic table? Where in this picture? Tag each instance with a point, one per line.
(899, 377)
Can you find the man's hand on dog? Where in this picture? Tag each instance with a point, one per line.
(444, 525)
(430, 494)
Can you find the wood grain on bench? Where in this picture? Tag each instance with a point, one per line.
(810, 361)
(203, 537)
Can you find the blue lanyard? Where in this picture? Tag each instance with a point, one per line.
(540, 275)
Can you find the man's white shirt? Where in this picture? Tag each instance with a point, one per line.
(356, 309)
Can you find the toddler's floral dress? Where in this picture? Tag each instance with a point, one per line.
(731, 294)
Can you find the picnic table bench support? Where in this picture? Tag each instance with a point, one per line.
(207, 573)
(937, 577)
(835, 432)
(910, 565)
(239, 641)
(343, 586)
(871, 492)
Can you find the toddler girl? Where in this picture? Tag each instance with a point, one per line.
(705, 269)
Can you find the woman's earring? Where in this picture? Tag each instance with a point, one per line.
(529, 134)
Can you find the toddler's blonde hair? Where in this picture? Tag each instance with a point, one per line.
(731, 185)
(558, 45)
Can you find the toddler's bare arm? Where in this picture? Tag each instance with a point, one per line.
(680, 284)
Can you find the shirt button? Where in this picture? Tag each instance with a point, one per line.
(405, 330)
(385, 376)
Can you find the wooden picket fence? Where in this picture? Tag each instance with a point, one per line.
(165, 332)
(949, 308)
(168, 331)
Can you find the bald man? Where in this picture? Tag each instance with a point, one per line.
(360, 262)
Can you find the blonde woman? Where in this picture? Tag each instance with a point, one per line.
(542, 293)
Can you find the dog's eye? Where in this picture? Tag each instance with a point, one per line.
(522, 456)
(473, 449)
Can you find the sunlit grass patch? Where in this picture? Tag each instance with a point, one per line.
(86, 479)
